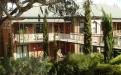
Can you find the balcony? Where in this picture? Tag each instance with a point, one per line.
(72, 37)
(30, 38)
(97, 39)
(117, 32)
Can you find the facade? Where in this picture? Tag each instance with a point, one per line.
(27, 36)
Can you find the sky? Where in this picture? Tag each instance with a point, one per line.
(117, 3)
(107, 2)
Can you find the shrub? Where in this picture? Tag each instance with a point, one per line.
(2, 70)
(116, 60)
(5, 65)
(77, 64)
(100, 57)
(30, 65)
(49, 64)
(107, 69)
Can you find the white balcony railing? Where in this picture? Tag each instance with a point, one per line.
(30, 37)
(117, 32)
(76, 38)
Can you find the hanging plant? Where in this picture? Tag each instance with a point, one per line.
(21, 31)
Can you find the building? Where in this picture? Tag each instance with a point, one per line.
(27, 36)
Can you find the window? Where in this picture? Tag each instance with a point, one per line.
(94, 27)
(61, 28)
(118, 26)
(22, 51)
(8, 24)
(38, 45)
(58, 28)
(81, 48)
(4, 25)
(38, 28)
(81, 27)
(62, 48)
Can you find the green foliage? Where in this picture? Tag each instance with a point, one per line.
(21, 31)
(116, 60)
(75, 64)
(55, 50)
(5, 63)
(107, 69)
(45, 38)
(49, 64)
(108, 36)
(30, 66)
(87, 28)
(2, 70)
(100, 57)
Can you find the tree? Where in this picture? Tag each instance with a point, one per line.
(107, 36)
(45, 38)
(27, 4)
(9, 47)
(55, 49)
(87, 28)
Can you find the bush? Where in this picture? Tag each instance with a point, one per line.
(77, 64)
(2, 70)
(107, 69)
(30, 65)
(100, 57)
(5, 65)
(116, 60)
(49, 64)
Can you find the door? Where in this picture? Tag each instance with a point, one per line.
(22, 51)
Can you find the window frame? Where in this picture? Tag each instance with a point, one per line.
(81, 27)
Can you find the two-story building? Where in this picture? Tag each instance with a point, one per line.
(27, 36)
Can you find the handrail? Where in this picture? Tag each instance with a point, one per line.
(60, 36)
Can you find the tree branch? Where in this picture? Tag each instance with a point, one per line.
(21, 10)
(49, 3)
(6, 12)
(14, 11)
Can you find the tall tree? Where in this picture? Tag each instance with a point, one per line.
(9, 47)
(45, 37)
(55, 49)
(87, 28)
(107, 36)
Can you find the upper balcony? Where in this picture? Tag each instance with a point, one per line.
(72, 37)
(97, 39)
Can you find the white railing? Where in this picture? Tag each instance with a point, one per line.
(60, 36)
(117, 32)
(30, 37)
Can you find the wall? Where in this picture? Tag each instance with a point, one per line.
(6, 30)
(37, 48)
